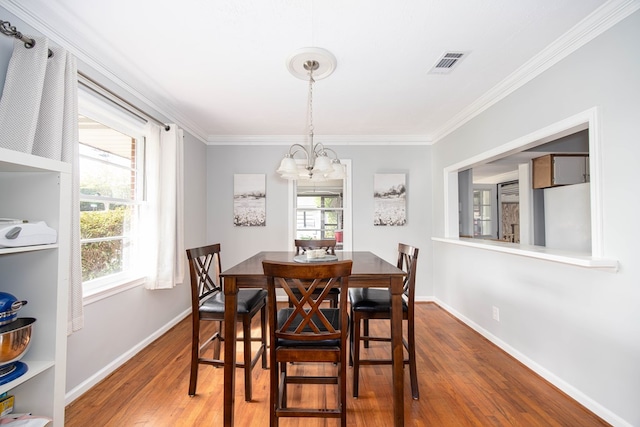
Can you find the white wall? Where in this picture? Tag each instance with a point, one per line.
(578, 327)
(238, 243)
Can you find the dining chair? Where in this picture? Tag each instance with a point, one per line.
(207, 303)
(303, 245)
(329, 245)
(372, 303)
(307, 333)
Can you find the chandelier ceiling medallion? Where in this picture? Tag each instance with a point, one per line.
(312, 64)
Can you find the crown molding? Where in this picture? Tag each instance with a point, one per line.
(599, 21)
(326, 139)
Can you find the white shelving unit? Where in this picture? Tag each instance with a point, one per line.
(38, 189)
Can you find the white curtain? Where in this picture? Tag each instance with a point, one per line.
(162, 215)
(39, 115)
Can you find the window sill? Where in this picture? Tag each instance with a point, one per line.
(539, 252)
(96, 293)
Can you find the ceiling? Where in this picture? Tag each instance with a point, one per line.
(218, 68)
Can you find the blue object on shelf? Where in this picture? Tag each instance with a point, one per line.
(16, 370)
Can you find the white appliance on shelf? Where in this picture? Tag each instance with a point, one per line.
(20, 233)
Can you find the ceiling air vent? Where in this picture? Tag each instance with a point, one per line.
(447, 62)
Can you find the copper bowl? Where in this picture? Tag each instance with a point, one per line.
(15, 338)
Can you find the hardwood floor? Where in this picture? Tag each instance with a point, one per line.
(464, 381)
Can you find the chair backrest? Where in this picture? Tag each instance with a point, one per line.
(205, 269)
(327, 244)
(304, 321)
(408, 261)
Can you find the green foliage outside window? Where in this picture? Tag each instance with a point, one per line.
(105, 257)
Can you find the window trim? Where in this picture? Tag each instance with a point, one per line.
(101, 288)
(122, 121)
(587, 119)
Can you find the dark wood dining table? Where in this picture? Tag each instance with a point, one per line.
(368, 270)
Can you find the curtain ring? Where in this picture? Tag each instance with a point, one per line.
(29, 43)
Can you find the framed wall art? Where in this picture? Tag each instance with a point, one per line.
(389, 199)
(249, 200)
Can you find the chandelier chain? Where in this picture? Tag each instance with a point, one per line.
(311, 81)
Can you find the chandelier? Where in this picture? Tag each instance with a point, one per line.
(318, 163)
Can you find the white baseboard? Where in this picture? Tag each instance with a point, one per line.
(111, 367)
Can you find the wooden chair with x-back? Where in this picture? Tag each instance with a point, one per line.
(307, 332)
(371, 303)
(207, 302)
(329, 246)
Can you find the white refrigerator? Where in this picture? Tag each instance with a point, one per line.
(567, 218)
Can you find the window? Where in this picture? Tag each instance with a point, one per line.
(322, 209)
(483, 218)
(509, 205)
(111, 160)
(319, 210)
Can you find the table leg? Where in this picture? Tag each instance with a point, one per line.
(397, 351)
(230, 312)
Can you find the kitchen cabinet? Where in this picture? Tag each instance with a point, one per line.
(38, 189)
(560, 169)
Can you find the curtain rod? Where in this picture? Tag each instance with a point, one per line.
(8, 30)
(96, 87)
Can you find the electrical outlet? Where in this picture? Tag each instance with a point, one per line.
(496, 313)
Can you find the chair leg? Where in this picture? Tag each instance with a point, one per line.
(413, 371)
(366, 332)
(246, 331)
(351, 337)
(263, 331)
(273, 389)
(356, 353)
(342, 392)
(195, 355)
(283, 384)
(217, 341)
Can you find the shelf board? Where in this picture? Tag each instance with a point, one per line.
(539, 252)
(35, 367)
(16, 161)
(4, 251)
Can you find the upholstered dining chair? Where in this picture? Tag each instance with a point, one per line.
(207, 302)
(307, 333)
(371, 303)
(329, 245)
